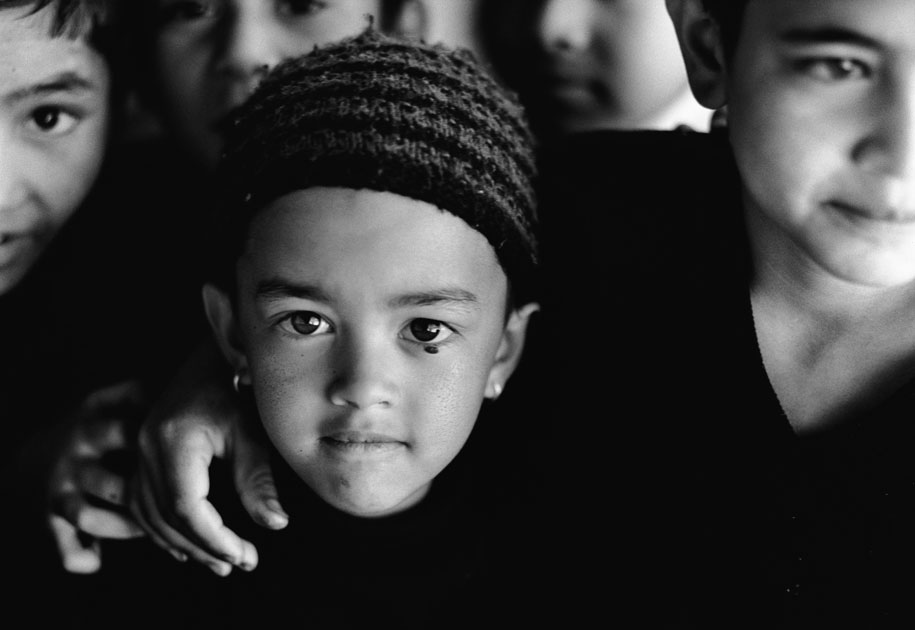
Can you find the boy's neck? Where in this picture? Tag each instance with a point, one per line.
(830, 347)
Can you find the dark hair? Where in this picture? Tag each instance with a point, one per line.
(73, 18)
(729, 16)
(93, 21)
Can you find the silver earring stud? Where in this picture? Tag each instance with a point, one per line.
(236, 381)
(496, 390)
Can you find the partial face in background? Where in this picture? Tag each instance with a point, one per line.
(210, 54)
(587, 64)
(372, 326)
(821, 100)
(53, 124)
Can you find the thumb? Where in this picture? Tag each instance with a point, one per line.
(255, 484)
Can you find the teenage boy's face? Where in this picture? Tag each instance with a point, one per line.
(210, 54)
(372, 326)
(53, 120)
(821, 100)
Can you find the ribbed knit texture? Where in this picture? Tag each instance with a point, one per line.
(385, 114)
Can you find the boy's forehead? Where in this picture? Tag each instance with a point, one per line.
(30, 54)
(889, 21)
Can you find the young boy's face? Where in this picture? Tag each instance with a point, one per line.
(372, 326)
(53, 121)
(821, 101)
(210, 54)
(599, 63)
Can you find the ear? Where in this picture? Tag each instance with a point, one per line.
(221, 316)
(510, 349)
(703, 52)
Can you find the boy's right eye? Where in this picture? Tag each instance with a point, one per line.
(302, 7)
(834, 68)
(51, 120)
(184, 11)
(306, 323)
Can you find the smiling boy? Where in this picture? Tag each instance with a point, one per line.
(766, 290)
(53, 124)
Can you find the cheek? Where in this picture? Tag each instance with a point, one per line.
(72, 172)
(181, 74)
(782, 147)
(288, 389)
(642, 61)
(448, 402)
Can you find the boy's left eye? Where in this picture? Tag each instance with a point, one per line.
(302, 7)
(50, 119)
(835, 69)
(428, 331)
(307, 323)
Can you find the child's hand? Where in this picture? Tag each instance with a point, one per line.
(197, 420)
(86, 487)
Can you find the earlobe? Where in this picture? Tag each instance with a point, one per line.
(510, 349)
(221, 317)
(703, 51)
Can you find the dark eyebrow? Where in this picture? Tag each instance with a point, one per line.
(828, 35)
(435, 297)
(63, 82)
(278, 288)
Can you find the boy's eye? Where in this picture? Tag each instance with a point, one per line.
(184, 11)
(835, 69)
(308, 323)
(301, 7)
(428, 331)
(50, 119)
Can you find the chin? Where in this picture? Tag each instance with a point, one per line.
(370, 500)
(877, 273)
(364, 507)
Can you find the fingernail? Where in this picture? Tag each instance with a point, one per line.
(177, 555)
(276, 517)
(274, 506)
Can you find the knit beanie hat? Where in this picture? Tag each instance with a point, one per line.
(375, 112)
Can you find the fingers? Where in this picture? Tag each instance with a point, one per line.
(95, 521)
(126, 395)
(76, 555)
(86, 497)
(222, 550)
(254, 481)
(97, 481)
(188, 525)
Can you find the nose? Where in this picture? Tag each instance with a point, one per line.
(888, 147)
(251, 43)
(364, 376)
(565, 25)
